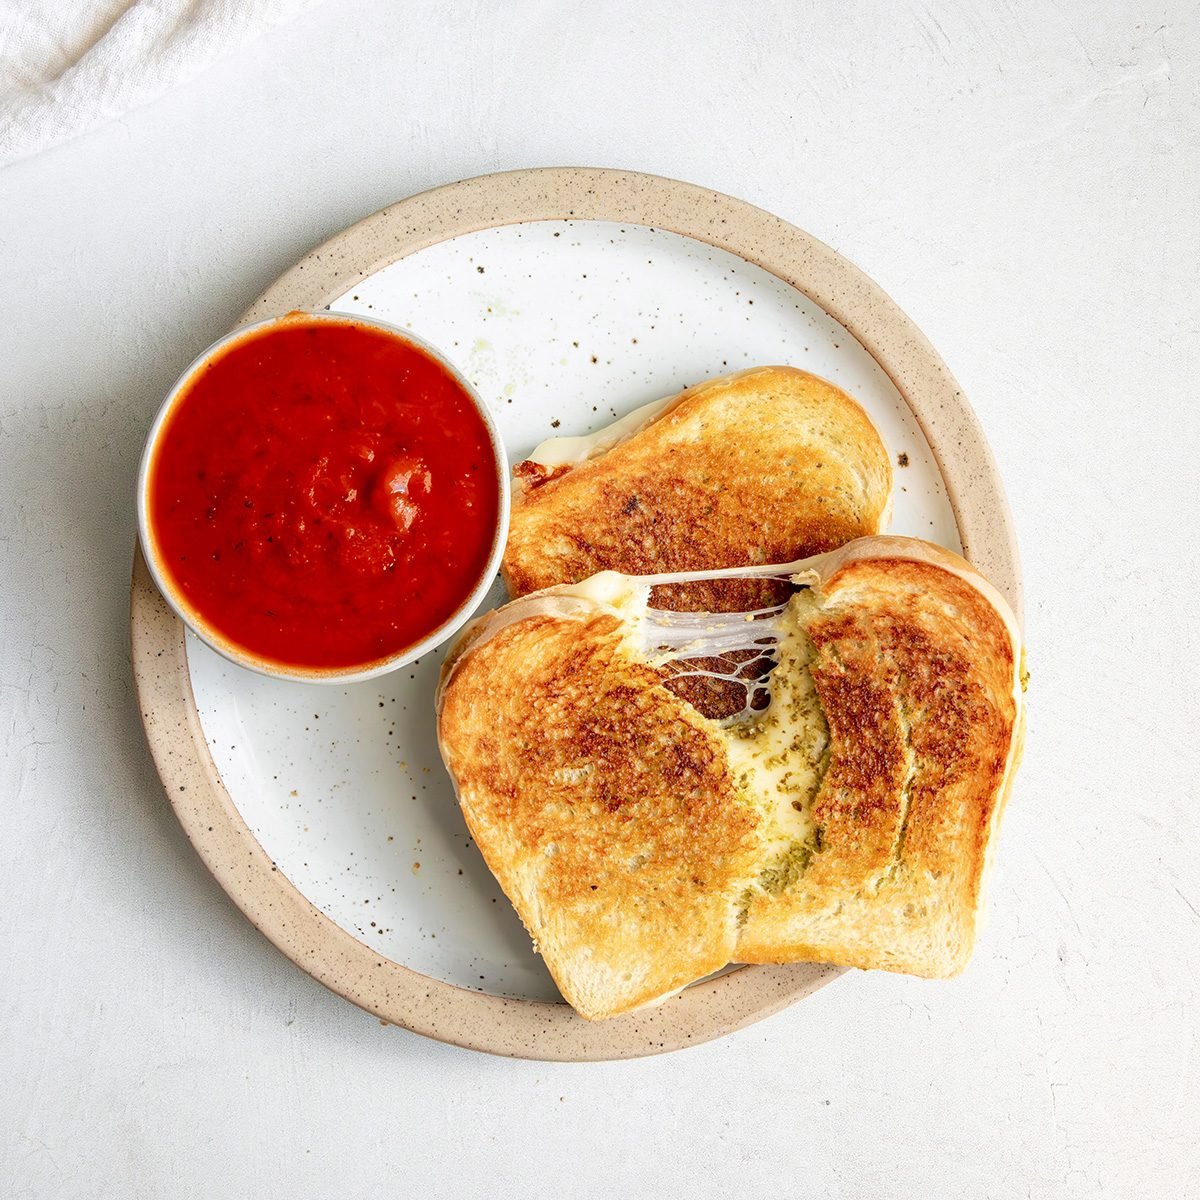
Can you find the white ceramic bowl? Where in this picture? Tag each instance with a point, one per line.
(231, 650)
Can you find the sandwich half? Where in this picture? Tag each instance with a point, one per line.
(850, 821)
(766, 466)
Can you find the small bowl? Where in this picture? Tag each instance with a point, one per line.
(238, 654)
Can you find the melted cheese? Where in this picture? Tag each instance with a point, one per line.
(777, 759)
(571, 451)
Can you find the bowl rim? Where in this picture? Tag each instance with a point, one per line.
(395, 993)
(227, 648)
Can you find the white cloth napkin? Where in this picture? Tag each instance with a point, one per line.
(67, 66)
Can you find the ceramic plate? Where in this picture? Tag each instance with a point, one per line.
(567, 297)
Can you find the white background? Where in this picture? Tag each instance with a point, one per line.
(1025, 180)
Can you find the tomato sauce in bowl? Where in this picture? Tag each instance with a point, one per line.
(323, 497)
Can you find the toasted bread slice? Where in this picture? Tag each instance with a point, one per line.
(580, 775)
(645, 845)
(766, 466)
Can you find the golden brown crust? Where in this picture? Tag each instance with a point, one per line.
(603, 806)
(768, 465)
(556, 733)
(915, 671)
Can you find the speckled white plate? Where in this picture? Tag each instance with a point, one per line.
(561, 324)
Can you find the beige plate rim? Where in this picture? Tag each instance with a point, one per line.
(395, 993)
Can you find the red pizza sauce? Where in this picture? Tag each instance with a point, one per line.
(323, 494)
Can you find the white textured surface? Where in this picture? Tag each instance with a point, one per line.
(1025, 181)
